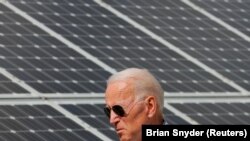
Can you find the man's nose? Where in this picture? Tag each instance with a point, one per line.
(114, 118)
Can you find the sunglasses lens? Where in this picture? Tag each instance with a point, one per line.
(118, 110)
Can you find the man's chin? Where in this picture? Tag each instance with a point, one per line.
(127, 138)
(123, 137)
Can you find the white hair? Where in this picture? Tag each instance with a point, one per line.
(145, 84)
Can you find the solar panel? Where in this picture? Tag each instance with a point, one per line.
(117, 43)
(94, 116)
(194, 33)
(216, 113)
(173, 119)
(7, 86)
(235, 13)
(43, 62)
(39, 122)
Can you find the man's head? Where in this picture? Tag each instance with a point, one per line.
(133, 97)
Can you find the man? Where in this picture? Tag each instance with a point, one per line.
(133, 97)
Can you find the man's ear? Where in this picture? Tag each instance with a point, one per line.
(151, 106)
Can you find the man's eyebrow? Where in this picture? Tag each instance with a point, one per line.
(123, 102)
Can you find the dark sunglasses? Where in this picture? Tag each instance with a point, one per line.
(117, 109)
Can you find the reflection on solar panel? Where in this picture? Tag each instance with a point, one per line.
(64, 51)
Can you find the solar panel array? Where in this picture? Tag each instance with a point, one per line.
(64, 50)
(39, 122)
(202, 38)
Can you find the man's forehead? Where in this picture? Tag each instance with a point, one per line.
(120, 89)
